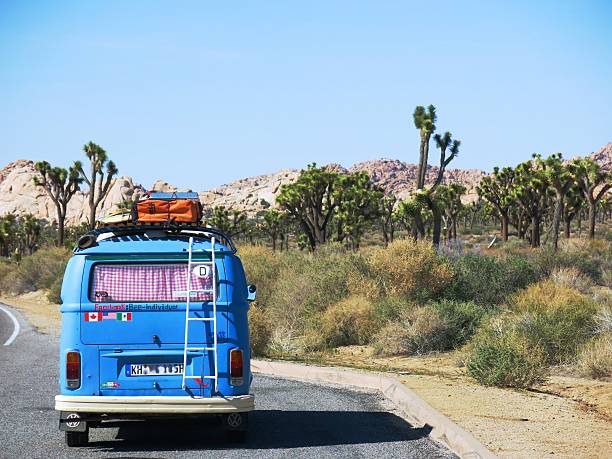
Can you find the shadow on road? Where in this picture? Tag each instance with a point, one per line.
(269, 429)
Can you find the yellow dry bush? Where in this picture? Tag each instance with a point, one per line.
(411, 268)
(262, 267)
(350, 321)
(260, 330)
(595, 358)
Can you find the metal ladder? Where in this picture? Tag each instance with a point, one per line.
(213, 319)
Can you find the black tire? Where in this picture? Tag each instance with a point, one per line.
(77, 438)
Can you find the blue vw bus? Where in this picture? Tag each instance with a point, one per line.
(154, 323)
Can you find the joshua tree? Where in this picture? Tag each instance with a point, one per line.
(443, 143)
(450, 199)
(424, 121)
(274, 222)
(98, 185)
(496, 189)
(312, 201)
(594, 184)
(532, 193)
(29, 229)
(561, 179)
(233, 222)
(8, 233)
(61, 185)
(388, 217)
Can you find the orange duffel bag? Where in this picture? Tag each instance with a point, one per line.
(168, 208)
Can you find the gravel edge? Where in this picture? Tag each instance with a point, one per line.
(445, 431)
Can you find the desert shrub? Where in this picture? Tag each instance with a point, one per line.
(595, 358)
(392, 307)
(461, 318)
(260, 330)
(6, 268)
(55, 290)
(572, 278)
(420, 331)
(555, 318)
(582, 256)
(489, 280)
(391, 340)
(262, 267)
(363, 279)
(42, 270)
(350, 321)
(505, 360)
(603, 317)
(411, 269)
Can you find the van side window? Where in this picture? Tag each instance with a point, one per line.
(149, 282)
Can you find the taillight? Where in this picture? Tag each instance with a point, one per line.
(236, 367)
(73, 369)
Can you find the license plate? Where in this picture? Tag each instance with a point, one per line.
(154, 369)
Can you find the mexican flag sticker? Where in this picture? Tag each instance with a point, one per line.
(124, 316)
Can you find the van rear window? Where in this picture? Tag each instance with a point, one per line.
(152, 282)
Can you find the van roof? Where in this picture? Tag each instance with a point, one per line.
(150, 243)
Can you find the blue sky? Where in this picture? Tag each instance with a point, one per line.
(202, 93)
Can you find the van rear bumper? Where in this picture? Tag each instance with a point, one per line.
(154, 404)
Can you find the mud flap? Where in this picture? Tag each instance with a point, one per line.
(235, 422)
(73, 422)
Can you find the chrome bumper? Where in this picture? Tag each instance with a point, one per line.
(154, 404)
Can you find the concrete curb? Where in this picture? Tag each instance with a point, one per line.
(444, 430)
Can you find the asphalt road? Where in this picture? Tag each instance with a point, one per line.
(292, 418)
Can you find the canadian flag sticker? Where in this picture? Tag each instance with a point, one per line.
(93, 316)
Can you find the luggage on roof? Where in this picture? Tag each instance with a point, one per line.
(168, 208)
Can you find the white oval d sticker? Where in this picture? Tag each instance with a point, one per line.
(201, 271)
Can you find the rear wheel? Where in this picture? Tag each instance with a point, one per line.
(77, 438)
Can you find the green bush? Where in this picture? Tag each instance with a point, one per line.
(557, 319)
(461, 318)
(505, 360)
(489, 280)
(350, 321)
(390, 308)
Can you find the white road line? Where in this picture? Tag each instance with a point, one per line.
(16, 326)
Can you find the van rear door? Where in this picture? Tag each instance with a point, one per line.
(143, 303)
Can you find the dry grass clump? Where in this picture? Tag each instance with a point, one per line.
(420, 331)
(262, 267)
(411, 269)
(572, 278)
(260, 330)
(391, 340)
(42, 270)
(595, 358)
(350, 321)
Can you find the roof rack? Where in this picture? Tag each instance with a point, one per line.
(90, 239)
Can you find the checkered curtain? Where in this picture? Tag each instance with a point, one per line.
(138, 283)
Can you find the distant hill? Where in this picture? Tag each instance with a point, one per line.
(18, 193)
